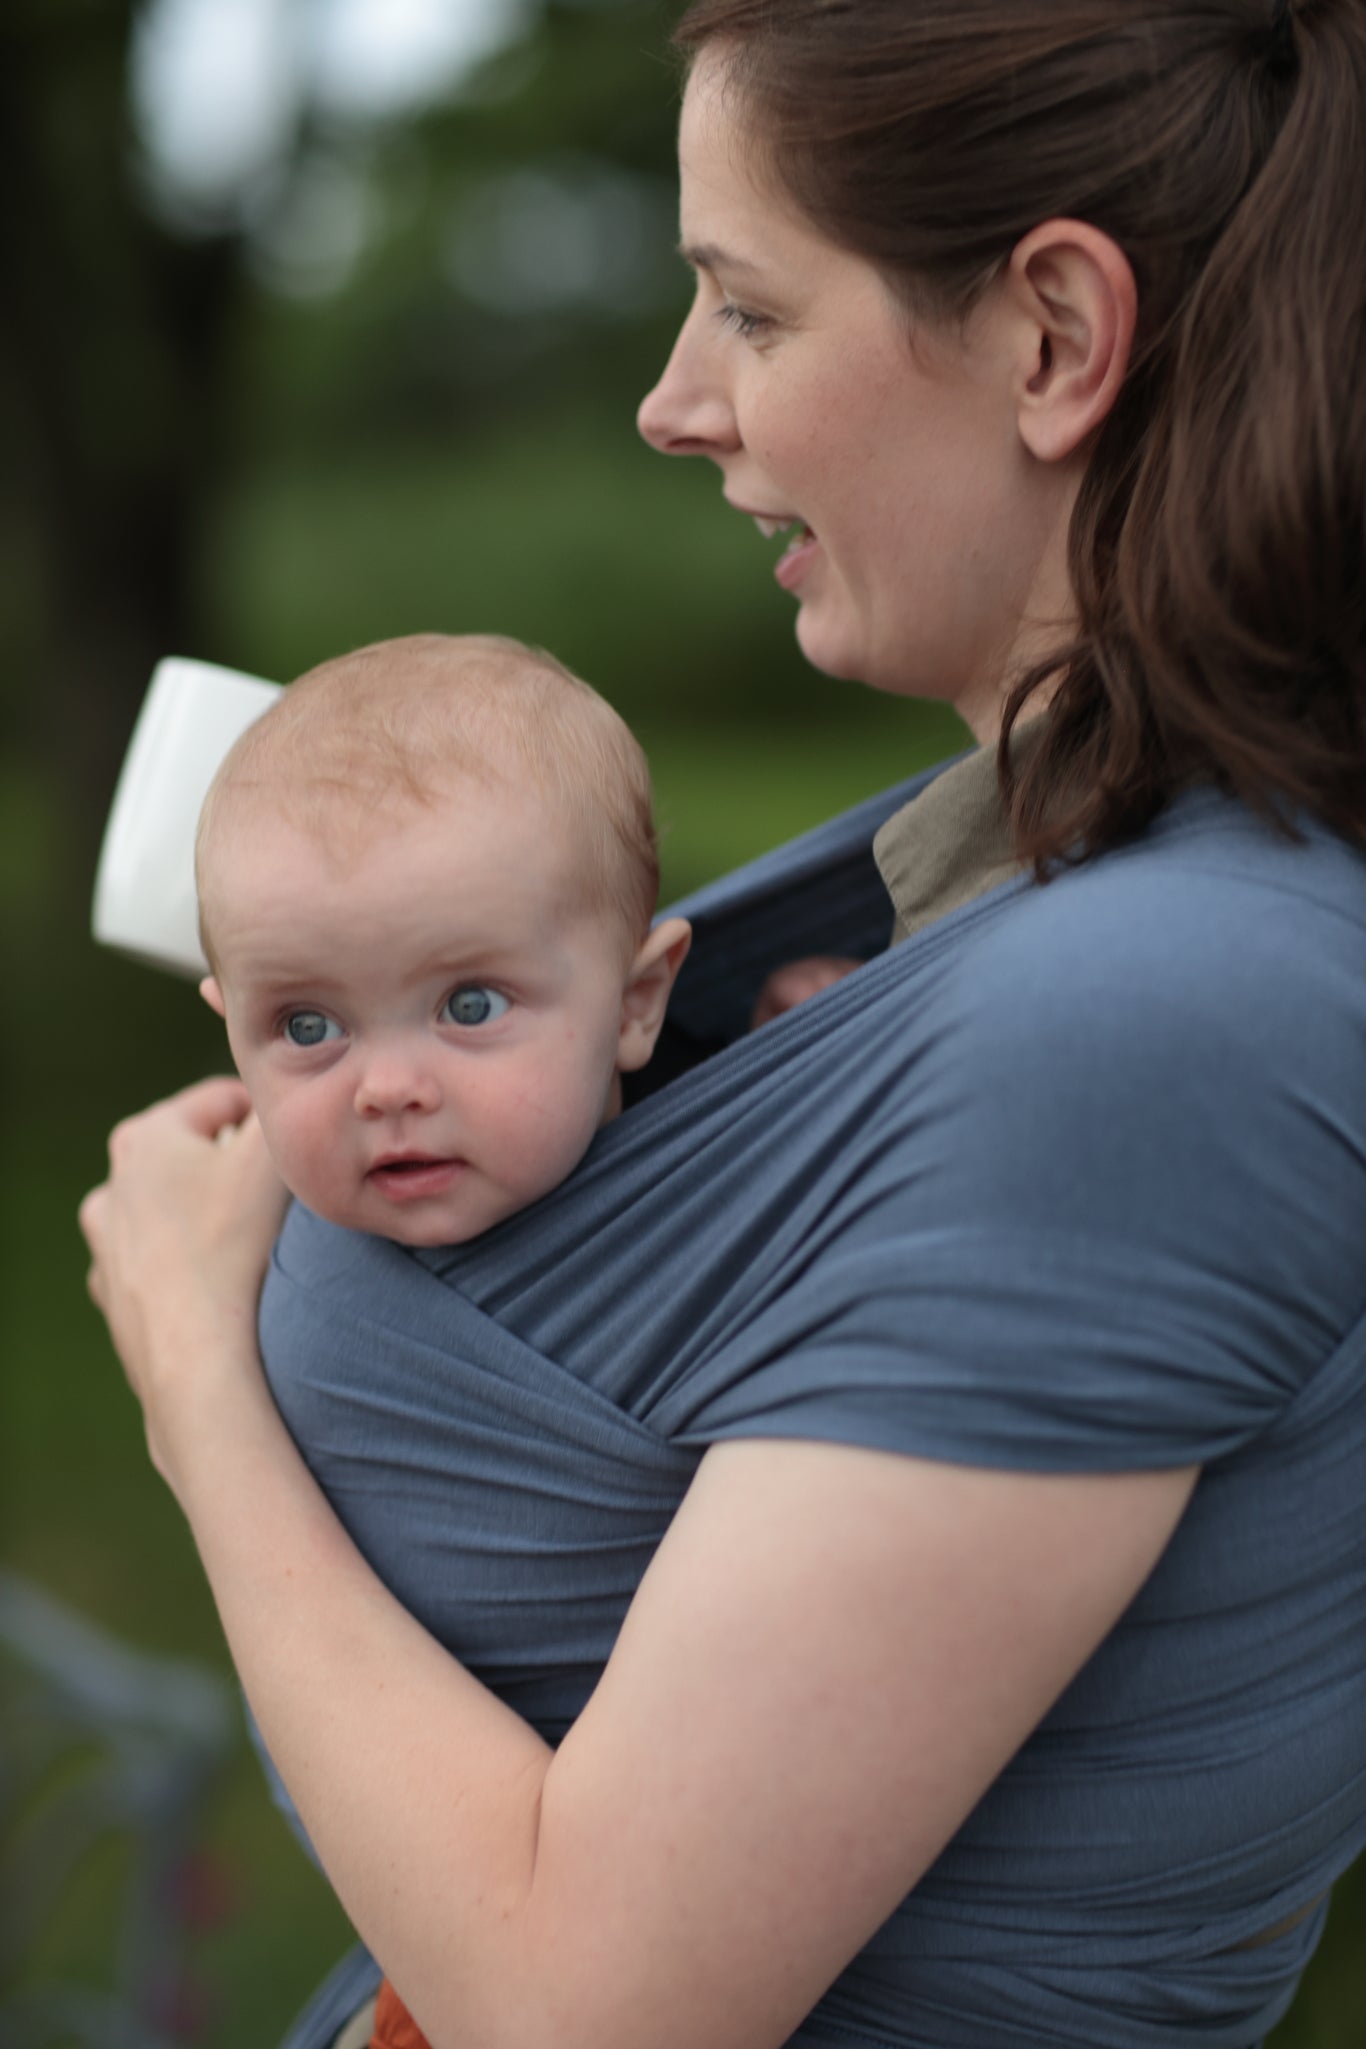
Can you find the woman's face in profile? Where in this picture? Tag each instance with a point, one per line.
(894, 460)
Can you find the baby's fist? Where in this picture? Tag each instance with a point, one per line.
(790, 985)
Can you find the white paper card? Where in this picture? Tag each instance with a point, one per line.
(144, 886)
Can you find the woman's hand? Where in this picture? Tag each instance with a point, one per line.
(179, 1237)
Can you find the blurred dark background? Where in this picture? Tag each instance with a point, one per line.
(320, 321)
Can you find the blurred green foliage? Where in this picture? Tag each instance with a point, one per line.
(211, 454)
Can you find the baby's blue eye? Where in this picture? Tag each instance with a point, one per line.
(473, 1004)
(310, 1027)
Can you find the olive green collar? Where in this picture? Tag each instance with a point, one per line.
(952, 843)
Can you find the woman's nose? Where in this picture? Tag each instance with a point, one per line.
(689, 412)
(392, 1085)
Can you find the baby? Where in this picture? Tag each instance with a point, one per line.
(426, 878)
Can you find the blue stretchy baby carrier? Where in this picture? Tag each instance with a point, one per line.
(1067, 1181)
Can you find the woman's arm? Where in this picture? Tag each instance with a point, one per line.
(831, 1658)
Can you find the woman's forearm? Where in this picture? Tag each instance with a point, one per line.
(419, 1789)
(769, 1764)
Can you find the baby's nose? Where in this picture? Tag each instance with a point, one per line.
(392, 1086)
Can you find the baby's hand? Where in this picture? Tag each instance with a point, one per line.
(788, 986)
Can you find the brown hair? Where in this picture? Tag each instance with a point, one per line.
(402, 717)
(1218, 543)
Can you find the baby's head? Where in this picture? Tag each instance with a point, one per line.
(426, 878)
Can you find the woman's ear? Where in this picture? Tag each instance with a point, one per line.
(1073, 293)
(212, 994)
(649, 985)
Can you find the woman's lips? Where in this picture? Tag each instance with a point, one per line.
(796, 559)
(410, 1180)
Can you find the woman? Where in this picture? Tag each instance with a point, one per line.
(999, 1677)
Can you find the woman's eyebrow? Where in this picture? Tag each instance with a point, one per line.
(709, 256)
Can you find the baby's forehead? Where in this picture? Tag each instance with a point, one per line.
(374, 829)
(346, 816)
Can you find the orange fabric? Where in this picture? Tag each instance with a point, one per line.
(395, 2027)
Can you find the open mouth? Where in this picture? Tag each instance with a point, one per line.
(803, 544)
(771, 528)
(797, 557)
(407, 1179)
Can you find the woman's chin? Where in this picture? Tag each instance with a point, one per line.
(825, 648)
(850, 661)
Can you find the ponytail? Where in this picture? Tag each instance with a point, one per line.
(1223, 590)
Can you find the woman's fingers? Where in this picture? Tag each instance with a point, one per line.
(179, 1237)
(208, 1106)
(170, 1181)
(90, 1216)
(252, 1166)
(181, 1224)
(204, 1108)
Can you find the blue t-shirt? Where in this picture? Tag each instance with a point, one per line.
(1073, 1180)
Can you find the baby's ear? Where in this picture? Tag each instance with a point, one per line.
(649, 985)
(213, 995)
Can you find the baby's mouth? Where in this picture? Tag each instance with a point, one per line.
(414, 1174)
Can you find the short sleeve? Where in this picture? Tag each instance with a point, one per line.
(1113, 1215)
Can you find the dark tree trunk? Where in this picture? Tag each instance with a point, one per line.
(112, 342)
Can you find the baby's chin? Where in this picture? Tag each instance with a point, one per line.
(423, 1237)
(420, 1226)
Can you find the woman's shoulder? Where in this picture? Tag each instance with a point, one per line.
(1213, 920)
(1208, 850)
(1166, 1048)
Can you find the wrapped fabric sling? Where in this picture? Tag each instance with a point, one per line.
(1074, 1179)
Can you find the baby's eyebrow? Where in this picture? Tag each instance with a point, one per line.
(287, 985)
(461, 959)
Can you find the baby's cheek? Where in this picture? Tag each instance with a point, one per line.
(550, 1139)
(307, 1151)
